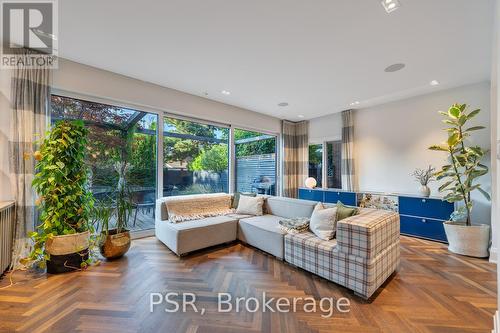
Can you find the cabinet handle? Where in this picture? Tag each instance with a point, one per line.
(338, 193)
(423, 200)
(424, 220)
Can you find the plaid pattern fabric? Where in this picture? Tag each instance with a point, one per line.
(347, 163)
(295, 156)
(363, 274)
(366, 235)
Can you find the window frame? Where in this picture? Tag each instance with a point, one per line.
(162, 113)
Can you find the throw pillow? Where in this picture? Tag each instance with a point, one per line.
(344, 211)
(324, 221)
(236, 198)
(250, 205)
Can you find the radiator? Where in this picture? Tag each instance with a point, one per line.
(6, 234)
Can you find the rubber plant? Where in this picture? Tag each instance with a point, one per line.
(65, 202)
(461, 175)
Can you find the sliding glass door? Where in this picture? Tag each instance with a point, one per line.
(195, 157)
(122, 148)
(255, 158)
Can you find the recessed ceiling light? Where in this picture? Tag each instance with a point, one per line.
(283, 104)
(394, 68)
(300, 116)
(434, 82)
(225, 92)
(390, 5)
(354, 103)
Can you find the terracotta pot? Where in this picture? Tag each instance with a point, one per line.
(67, 252)
(468, 240)
(114, 245)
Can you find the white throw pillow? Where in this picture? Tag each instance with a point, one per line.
(250, 205)
(324, 221)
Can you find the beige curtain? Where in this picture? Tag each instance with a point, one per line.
(348, 173)
(295, 156)
(30, 96)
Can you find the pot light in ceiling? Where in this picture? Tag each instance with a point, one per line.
(300, 116)
(434, 83)
(283, 104)
(390, 5)
(354, 103)
(225, 92)
(394, 68)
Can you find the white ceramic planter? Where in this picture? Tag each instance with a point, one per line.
(468, 240)
(425, 191)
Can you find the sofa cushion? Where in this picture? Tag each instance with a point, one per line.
(250, 205)
(289, 208)
(323, 221)
(197, 234)
(263, 232)
(237, 195)
(344, 211)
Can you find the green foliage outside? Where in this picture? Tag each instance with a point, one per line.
(465, 166)
(315, 154)
(214, 159)
(65, 202)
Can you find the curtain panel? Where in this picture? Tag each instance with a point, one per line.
(30, 96)
(348, 173)
(295, 156)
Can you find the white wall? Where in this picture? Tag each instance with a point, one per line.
(495, 121)
(391, 140)
(327, 128)
(5, 120)
(86, 80)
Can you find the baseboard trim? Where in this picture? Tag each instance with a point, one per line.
(496, 323)
(493, 255)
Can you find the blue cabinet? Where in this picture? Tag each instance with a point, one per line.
(347, 198)
(313, 195)
(423, 227)
(420, 217)
(425, 207)
(424, 217)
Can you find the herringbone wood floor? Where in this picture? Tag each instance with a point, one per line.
(433, 291)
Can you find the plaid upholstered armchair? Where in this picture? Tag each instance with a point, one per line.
(363, 255)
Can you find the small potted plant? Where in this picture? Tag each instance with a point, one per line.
(115, 242)
(62, 240)
(424, 176)
(460, 180)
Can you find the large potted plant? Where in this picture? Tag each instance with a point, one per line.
(61, 241)
(460, 180)
(115, 242)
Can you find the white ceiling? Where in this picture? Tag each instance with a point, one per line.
(319, 56)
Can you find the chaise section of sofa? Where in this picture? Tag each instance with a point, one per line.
(363, 255)
(264, 232)
(196, 234)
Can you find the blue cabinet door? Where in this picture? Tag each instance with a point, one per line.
(347, 198)
(425, 207)
(423, 227)
(313, 195)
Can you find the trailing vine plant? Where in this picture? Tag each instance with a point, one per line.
(65, 202)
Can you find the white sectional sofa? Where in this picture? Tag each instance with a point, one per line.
(363, 255)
